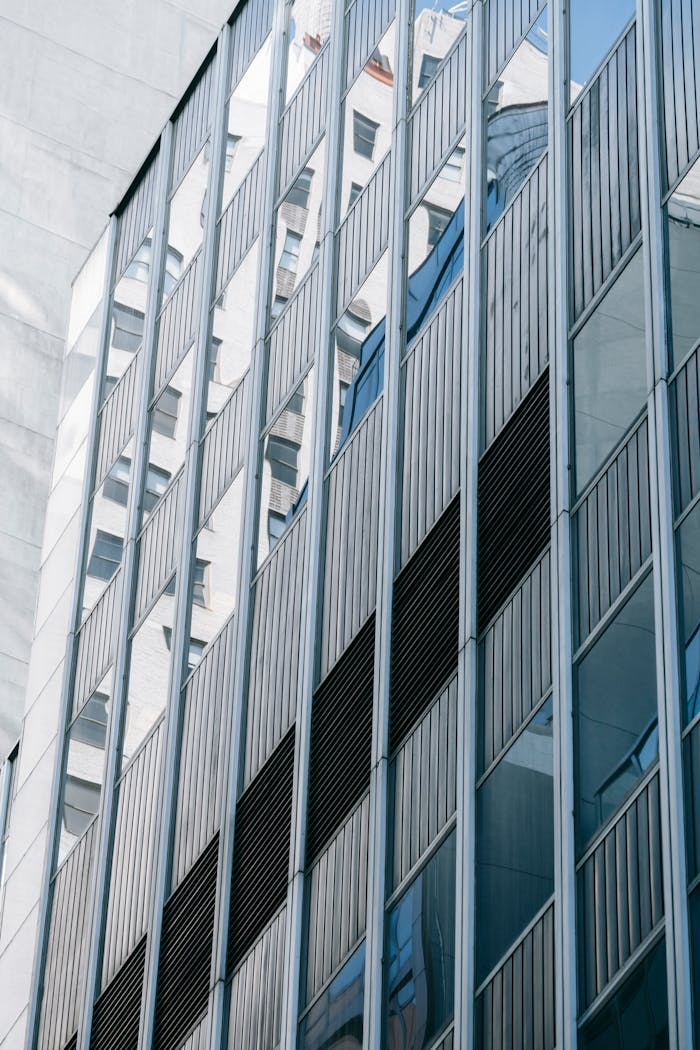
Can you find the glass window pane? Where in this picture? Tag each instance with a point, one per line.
(186, 220)
(683, 225)
(610, 380)
(435, 243)
(615, 713)
(335, 1020)
(515, 841)
(694, 904)
(285, 466)
(127, 314)
(436, 26)
(358, 363)
(367, 120)
(636, 1018)
(108, 511)
(299, 228)
(86, 743)
(170, 418)
(515, 114)
(594, 26)
(247, 121)
(309, 28)
(149, 672)
(420, 955)
(688, 537)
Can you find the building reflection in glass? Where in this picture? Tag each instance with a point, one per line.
(335, 1020)
(688, 546)
(436, 26)
(308, 29)
(420, 955)
(683, 232)
(298, 231)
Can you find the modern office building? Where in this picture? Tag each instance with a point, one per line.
(372, 696)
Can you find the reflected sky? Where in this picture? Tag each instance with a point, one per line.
(594, 26)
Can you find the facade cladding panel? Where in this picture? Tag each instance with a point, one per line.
(380, 715)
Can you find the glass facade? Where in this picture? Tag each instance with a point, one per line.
(374, 534)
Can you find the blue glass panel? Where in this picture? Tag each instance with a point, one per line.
(637, 1016)
(335, 1019)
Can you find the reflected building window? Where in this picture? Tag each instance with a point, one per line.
(355, 191)
(278, 305)
(282, 455)
(364, 134)
(609, 359)
(127, 328)
(289, 259)
(199, 582)
(683, 265)
(615, 713)
(438, 219)
(81, 801)
(335, 1019)
(166, 411)
(428, 68)
(454, 166)
(420, 955)
(106, 555)
(91, 724)
(515, 114)
(436, 26)
(300, 191)
(515, 836)
(116, 486)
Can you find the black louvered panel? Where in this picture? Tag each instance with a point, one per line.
(341, 741)
(185, 952)
(261, 850)
(72, 1044)
(425, 625)
(514, 512)
(115, 1021)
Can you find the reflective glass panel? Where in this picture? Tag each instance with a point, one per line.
(215, 573)
(636, 1018)
(108, 520)
(358, 364)
(309, 28)
(87, 739)
(367, 121)
(285, 466)
(616, 736)
(186, 220)
(683, 225)
(127, 315)
(694, 906)
(594, 26)
(247, 121)
(515, 114)
(298, 230)
(232, 332)
(149, 672)
(610, 379)
(688, 537)
(169, 423)
(515, 841)
(436, 26)
(334, 1022)
(435, 243)
(420, 955)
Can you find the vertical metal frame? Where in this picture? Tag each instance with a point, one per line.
(665, 578)
(389, 500)
(217, 1025)
(561, 576)
(315, 537)
(107, 817)
(470, 427)
(66, 712)
(170, 764)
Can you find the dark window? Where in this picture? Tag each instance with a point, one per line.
(282, 456)
(420, 955)
(127, 328)
(106, 556)
(515, 841)
(81, 800)
(636, 1018)
(615, 713)
(199, 583)
(695, 952)
(213, 360)
(91, 725)
(275, 527)
(428, 69)
(165, 412)
(196, 649)
(116, 486)
(610, 380)
(342, 398)
(299, 193)
(355, 191)
(289, 259)
(438, 219)
(364, 134)
(296, 402)
(157, 481)
(335, 1019)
